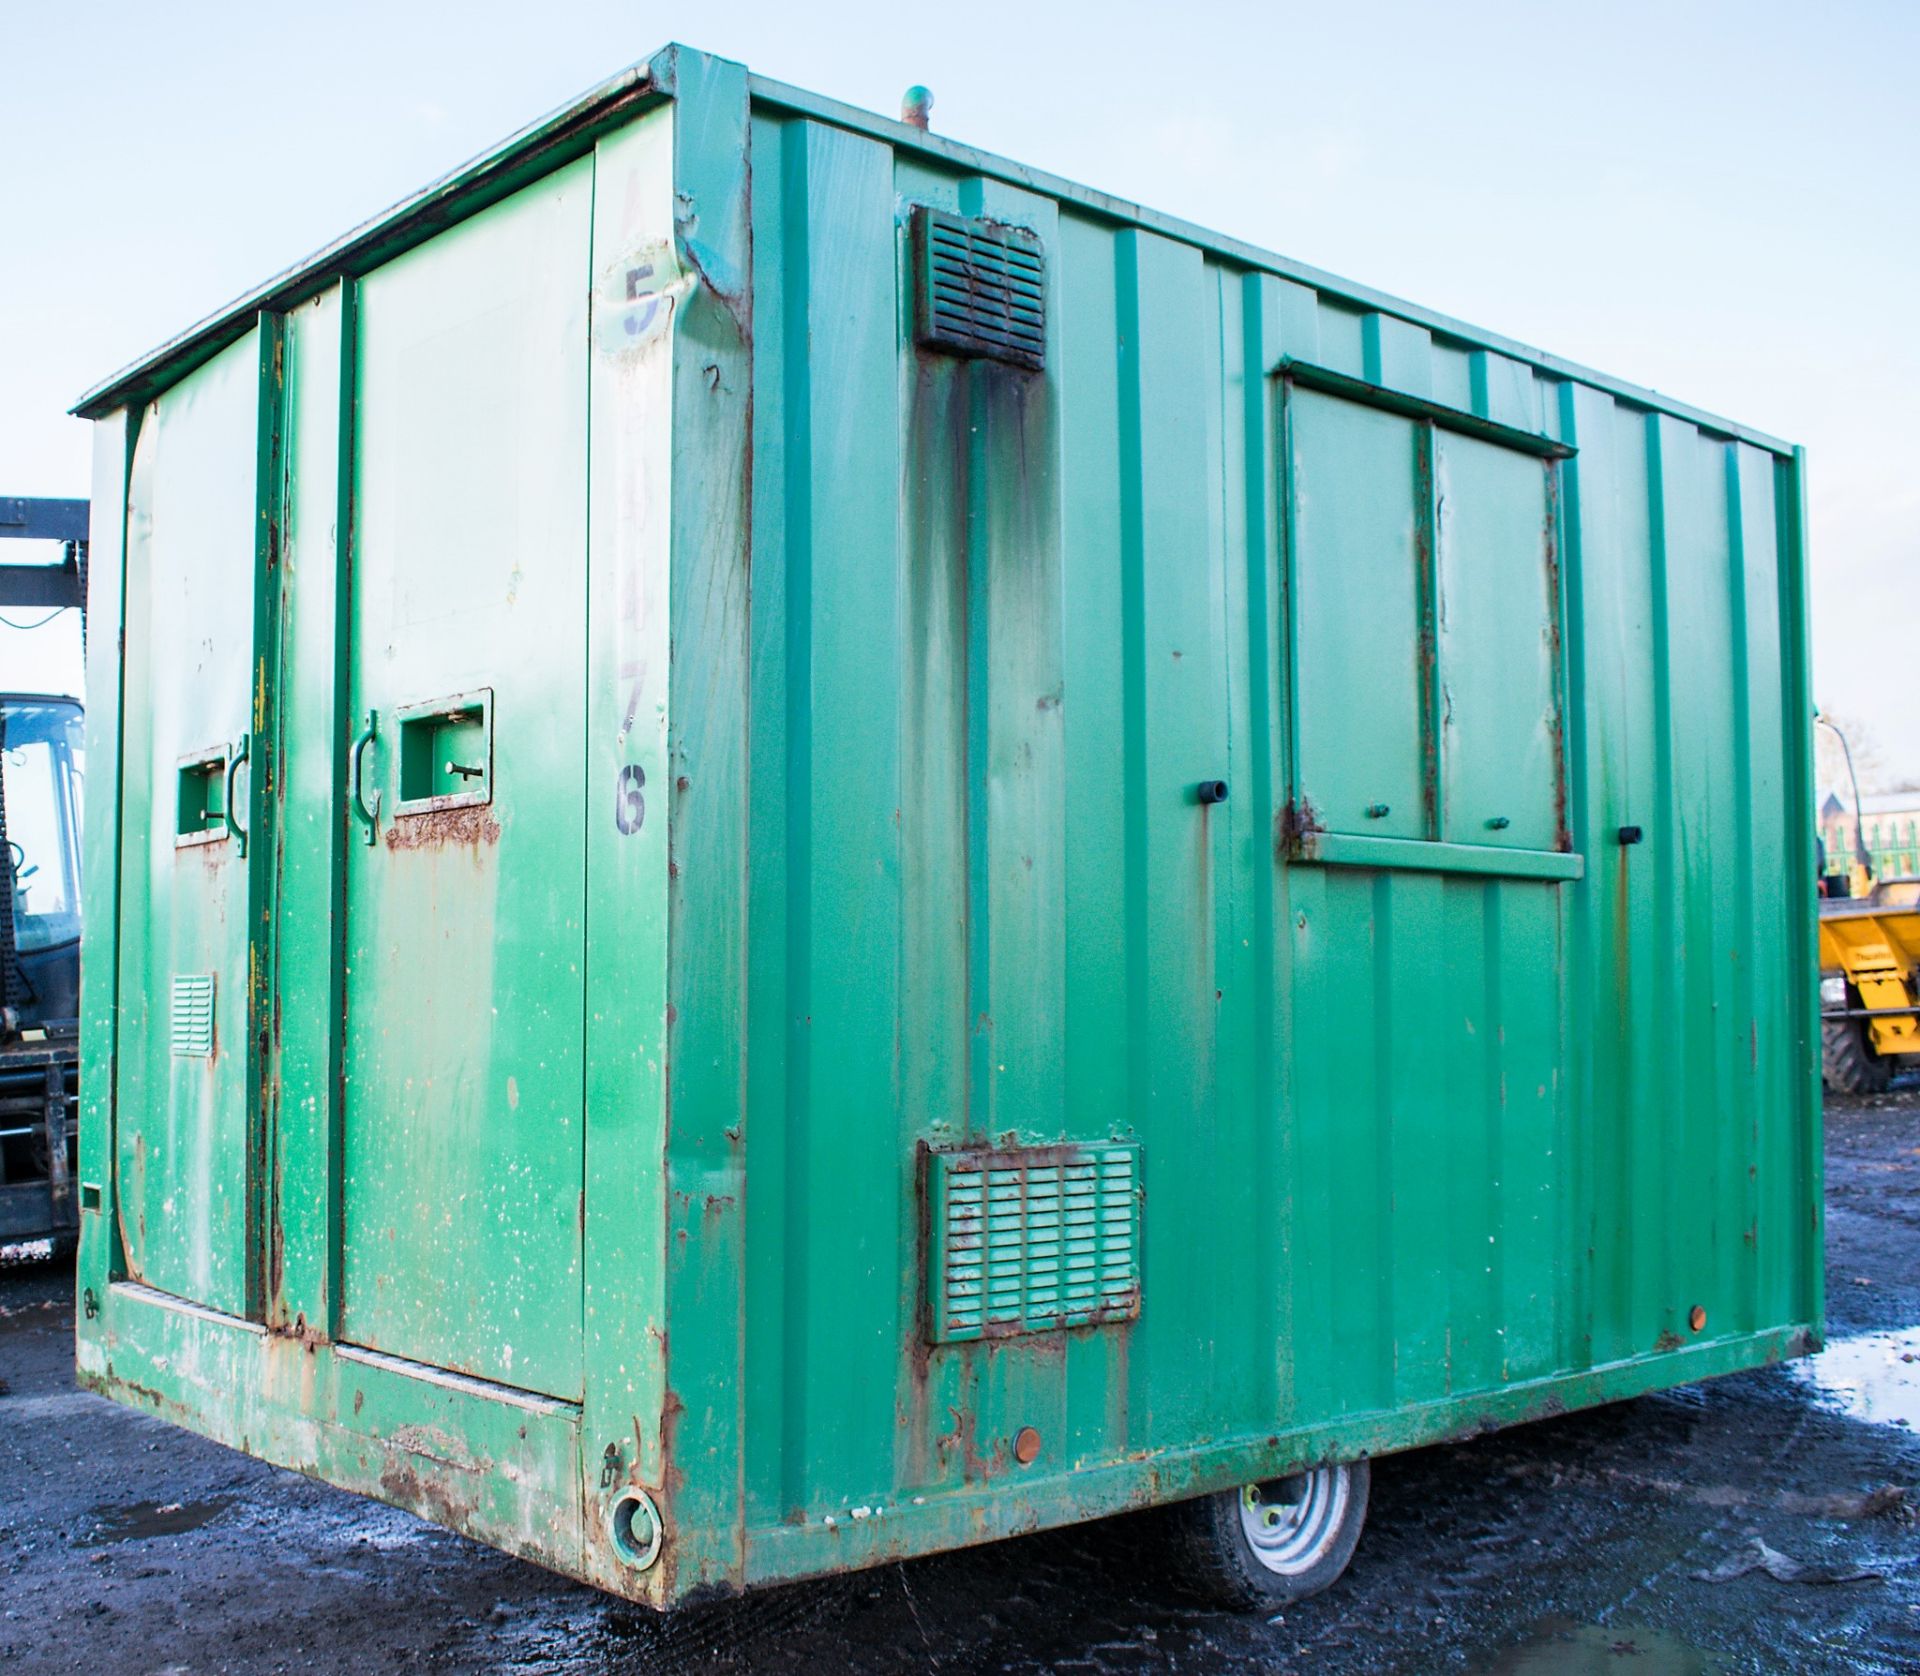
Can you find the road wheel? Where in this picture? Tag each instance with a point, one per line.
(1267, 1545)
(1848, 1064)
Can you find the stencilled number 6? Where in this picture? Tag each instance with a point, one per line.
(629, 802)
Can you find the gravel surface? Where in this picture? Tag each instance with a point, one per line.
(1577, 1545)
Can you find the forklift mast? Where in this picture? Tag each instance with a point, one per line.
(39, 864)
(29, 585)
(32, 586)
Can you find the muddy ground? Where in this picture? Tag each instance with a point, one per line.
(1569, 1546)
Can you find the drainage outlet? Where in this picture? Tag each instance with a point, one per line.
(636, 1528)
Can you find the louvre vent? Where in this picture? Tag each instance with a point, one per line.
(981, 289)
(1031, 1239)
(193, 1016)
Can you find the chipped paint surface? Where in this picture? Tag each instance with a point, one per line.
(443, 828)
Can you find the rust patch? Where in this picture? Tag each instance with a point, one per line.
(919, 1346)
(1562, 829)
(1480, 1425)
(439, 829)
(913, 1418)
(963, 1439)
(1119, 1341)
(1435, 706)
(297, 1331)
(136, 1251)
(277, 1247)
(425, 1492)
(672, 1476)
(1052, 1346)
(1294, 822)
(113, 1385)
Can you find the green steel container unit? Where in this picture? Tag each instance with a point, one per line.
(805, 847)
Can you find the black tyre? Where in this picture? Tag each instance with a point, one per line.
(1267, 1545)
(1848, 1064)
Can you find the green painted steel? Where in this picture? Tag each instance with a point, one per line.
(183, 1141)
(461, 1139)
(691, 723)
(1031, 1239)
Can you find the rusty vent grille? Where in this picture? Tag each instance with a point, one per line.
(193, 1015)
(1031, 1239)
(981, 289)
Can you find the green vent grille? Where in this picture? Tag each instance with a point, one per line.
(193, 1015)
(981, 291)
(1030, 1239)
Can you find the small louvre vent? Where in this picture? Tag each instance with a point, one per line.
(1032, 1239)
(981, 291)
(193, 1016)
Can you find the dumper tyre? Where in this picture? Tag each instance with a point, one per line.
(1267, 1545)
(1848, 1063)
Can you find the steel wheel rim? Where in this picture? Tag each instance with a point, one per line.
(1292, 1523)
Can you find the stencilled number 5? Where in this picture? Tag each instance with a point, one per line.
(629, 801)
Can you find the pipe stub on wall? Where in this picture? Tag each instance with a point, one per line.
(637, 1531)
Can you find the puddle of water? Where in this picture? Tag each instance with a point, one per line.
(134, 1521)
(1873, 1377)
(1596, 1650)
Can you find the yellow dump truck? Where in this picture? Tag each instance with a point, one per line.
(1869, 984)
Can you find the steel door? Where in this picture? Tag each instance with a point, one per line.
(463, 1106)
(182, 1136)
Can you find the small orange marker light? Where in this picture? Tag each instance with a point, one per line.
(1696, 1318)
(1026, 1445)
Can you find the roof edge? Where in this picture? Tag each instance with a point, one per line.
(556, 137)
(541, 145)
(904, 136)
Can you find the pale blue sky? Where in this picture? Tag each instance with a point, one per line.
(1719, 200)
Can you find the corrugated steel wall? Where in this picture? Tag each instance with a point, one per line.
(949, 647)
(1407, 1136)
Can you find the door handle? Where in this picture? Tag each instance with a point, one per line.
(367, 812)
(235, 830)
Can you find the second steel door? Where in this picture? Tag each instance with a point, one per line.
(463, 1117)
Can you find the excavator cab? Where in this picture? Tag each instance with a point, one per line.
(42, 776)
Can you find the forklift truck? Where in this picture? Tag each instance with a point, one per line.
(42, 775)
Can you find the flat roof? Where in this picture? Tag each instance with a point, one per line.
(572, 129)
